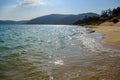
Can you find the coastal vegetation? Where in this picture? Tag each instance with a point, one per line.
(110, 15)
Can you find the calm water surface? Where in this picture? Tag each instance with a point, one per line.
(55, 52)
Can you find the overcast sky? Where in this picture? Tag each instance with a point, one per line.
(28, 9)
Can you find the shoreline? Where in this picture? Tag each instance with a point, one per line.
(112, 34)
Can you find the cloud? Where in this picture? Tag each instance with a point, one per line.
(28, 3)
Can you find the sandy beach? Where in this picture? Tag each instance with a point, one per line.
(111, 31)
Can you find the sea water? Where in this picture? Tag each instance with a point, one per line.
(55, 52)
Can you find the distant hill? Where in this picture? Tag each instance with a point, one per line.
(73, 18)
(13, 22)
(7, 22)
(48, 19)
(52, 19)
(60, 18)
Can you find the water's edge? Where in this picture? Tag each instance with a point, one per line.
(56, 52)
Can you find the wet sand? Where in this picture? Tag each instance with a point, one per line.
(112, 34)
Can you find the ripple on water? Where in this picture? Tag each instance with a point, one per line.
(43, 52)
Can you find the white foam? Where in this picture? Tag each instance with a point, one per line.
(90, 43)
(51, 78)
(58, 62)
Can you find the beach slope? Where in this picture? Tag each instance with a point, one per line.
(112, 33)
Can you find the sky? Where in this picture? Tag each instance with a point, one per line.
(28, 9)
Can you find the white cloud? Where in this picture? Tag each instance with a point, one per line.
(28, 3)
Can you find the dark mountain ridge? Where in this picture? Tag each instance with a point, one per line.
(60, 18)
(52, 19)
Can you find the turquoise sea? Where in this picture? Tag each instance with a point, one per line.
(56, 52)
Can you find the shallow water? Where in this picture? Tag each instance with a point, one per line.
(55, 52)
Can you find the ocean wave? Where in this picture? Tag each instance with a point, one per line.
(93, 43)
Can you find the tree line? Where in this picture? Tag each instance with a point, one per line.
(112, 15)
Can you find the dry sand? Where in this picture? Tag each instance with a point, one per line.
(111, 31)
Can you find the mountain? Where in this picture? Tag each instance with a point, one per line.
(13, 22)
(60, 18)
(52, 19)
(73, 18)
(7, 22)
(22, 22)
(48, 19)
(88, 21)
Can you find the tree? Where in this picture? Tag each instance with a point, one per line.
(116, 12)
(104, 15)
